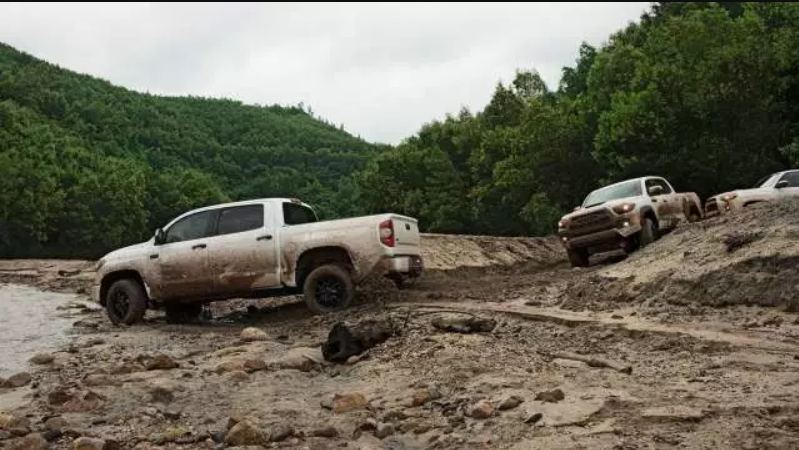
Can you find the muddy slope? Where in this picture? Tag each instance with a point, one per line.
(746, 259)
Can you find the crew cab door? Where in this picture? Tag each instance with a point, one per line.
(242, 254)
(666, 205)
(788, 185)
(180, 263)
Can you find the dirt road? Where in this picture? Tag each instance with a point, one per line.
(697, 330)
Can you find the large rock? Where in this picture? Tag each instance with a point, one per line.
(233, 365)
(8, 421)
(128, 367)
(254, 365)
(463, 323)
(304, 359)
(510, 403)
(245, 433)
(88, 443)
(42, 358)
(253, 334)
(56, 423)
(32, 441)
(18, 380)
(349, 402)
(279, 432)
(483, 409)
(552, 396)
(99, 379)
(161, 362)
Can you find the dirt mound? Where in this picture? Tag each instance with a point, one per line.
(451, 252)
(749, 258)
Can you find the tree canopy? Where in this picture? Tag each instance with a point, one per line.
(704, 94)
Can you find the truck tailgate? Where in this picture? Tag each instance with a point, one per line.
(406, 232)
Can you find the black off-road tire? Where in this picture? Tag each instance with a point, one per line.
(693, 217)
(126, 302)
(328, 288)
(183, 312)
(578, 257)
(648, 232)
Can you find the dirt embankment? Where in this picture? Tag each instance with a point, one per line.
(741, 260)
(572, 358)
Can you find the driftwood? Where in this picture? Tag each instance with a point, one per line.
(346, 339)
(592, 362)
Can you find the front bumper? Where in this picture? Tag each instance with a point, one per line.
(608, 238)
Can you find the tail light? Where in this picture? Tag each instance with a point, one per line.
(387, 233)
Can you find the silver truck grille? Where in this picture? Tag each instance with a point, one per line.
(593, 221)
(711, 205)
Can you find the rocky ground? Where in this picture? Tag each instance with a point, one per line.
(689, 343)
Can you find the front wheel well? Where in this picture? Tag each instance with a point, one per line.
(752, 202)
(316, 257)
(649, 214)
(113, 277)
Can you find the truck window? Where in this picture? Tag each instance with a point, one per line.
(294, 214)
(195, 226)
(240, 218)
(658, 182)
(792, 178)
(626, 189)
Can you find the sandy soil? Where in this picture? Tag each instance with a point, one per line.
(701, 340)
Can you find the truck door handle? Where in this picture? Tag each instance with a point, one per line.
(266, 237)
(195, 247)
(153, 255)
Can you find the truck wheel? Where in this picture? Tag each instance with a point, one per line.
(125, 302)
(578, 257)
(328, 288)
(647, 232)
(693, 217)
(183, 312)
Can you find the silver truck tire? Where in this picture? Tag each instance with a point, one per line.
(578, 257)
(125, 302)
(328, 288)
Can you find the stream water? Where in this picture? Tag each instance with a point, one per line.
(30, 323)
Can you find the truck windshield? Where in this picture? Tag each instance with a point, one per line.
(622, 190)
(294, 214)
(767, 180)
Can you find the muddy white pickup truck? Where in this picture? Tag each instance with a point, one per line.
(770, 189)
(254, 249)
(625, 215)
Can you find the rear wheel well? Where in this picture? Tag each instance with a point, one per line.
(316, 257)
(113, 277)
(753, 202)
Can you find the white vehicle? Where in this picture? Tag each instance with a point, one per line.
(254, 249)
(625, 215)
(770, 189)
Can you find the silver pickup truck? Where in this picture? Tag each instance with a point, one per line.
(254, 249)
(625, 215)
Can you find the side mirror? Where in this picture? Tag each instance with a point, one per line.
(782, 184)
(160, 236)
(577, 208)
(655, 190)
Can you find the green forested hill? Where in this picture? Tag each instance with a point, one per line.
(86, 166)
(705, 94)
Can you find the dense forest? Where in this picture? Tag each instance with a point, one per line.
(705, 94)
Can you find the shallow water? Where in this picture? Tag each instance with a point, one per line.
(30, 324)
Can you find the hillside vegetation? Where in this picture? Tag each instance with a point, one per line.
(705, 94)
(86, 166)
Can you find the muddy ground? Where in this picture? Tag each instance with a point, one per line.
(697, 329)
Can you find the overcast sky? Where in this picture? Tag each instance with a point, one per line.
(380, 69)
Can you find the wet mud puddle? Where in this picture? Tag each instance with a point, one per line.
(30, 323)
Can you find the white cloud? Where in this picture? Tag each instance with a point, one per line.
(381, 69)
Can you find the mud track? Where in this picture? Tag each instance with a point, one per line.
(707, 332)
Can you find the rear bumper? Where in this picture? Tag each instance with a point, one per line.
(409, 265)
(603, 239)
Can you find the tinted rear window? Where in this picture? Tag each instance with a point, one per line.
(294, 214)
